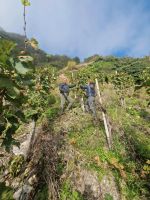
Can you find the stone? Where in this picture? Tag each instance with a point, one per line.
(108, 186)
(7, 183)
(6, 172)
(87, 184)
(25, 190)
(16, 182)
(23, 147)
(17, 194)
(32, 180)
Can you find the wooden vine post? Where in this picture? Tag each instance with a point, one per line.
(82, 104)
(106, 125)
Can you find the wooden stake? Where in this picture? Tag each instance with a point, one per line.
(75, 95)
(72, 75)
(53, 74)
(82, 104)
(104, 116)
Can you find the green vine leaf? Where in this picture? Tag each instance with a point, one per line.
(21, 69)
(13, 92)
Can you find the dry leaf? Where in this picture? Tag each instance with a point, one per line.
(73, 141)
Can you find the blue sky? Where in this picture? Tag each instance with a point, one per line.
(83, 27)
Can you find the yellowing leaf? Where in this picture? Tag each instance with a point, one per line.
(73, 141)
(123, 174)
(96, 158)
(26, 2)
(146, 167)
(34, 43)
(121, 166)
(113, 161)
(118, 166)
(148, 162)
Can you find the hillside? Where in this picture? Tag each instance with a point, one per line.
(39, 55)
(67, 156)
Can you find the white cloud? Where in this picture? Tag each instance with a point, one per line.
(83, 27)
(11, 15)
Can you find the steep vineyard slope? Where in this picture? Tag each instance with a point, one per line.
(69, 157)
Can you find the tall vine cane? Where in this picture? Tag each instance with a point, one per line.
(25, 27)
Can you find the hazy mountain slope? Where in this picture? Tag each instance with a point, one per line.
(38, 55)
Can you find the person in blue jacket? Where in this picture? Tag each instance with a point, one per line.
(90, 94)
(64, 89)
